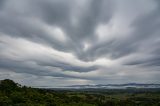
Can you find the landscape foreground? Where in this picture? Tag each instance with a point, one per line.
(13, 94)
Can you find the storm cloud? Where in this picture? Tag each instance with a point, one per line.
(67, 42)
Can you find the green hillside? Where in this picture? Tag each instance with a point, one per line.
(13, 94)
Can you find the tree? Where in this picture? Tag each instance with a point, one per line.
(8, 85)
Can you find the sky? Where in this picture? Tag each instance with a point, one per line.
(77, 42)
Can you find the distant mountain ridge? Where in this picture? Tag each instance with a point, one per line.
(115, 86)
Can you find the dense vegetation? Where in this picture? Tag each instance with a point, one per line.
(13, 94)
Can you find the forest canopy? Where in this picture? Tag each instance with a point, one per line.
(13, 94)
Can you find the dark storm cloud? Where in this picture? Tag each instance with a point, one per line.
(146, 37)
(146, 30)
(20, 22)
(68, 67)
(83, 39)
(56, 13)
(1, 3)
(39, 69)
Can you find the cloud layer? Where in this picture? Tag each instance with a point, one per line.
(66, 42)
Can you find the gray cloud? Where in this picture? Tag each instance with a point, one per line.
(79, 41)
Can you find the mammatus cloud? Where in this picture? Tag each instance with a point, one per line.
(65, 42)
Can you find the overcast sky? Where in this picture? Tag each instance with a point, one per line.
(72, 42)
